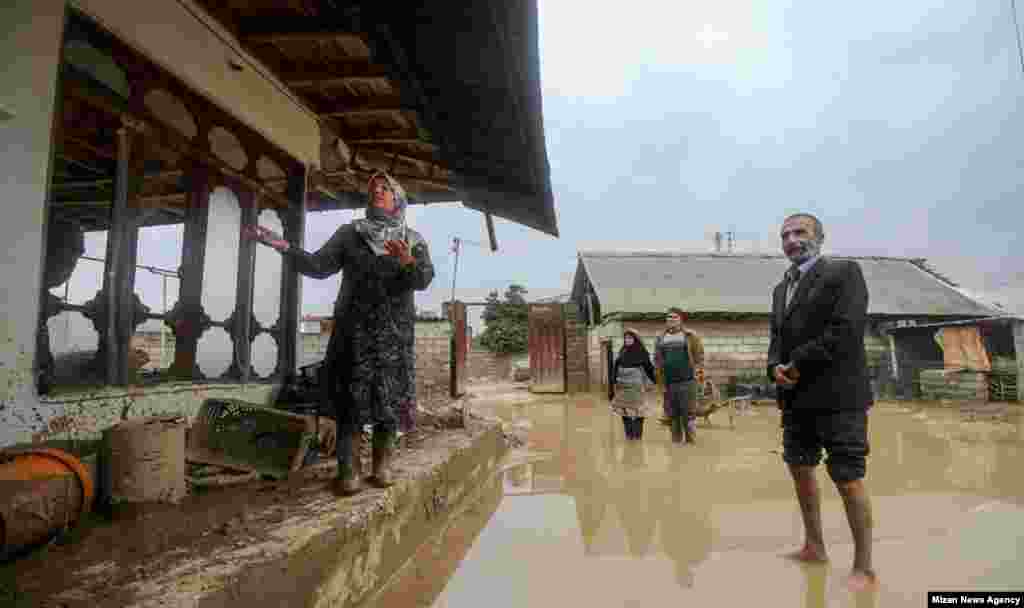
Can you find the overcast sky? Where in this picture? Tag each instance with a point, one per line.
(898, 123)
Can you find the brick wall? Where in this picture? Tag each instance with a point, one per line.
(577, 365)
(595, 361)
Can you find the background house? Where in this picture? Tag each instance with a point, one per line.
(728, 297)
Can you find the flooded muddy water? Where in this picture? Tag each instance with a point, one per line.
(582, 517)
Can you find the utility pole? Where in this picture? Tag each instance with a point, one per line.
(456, 247)
(164, 275)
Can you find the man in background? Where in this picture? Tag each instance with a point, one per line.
(679, 354)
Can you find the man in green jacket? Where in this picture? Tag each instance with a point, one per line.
(679, 354)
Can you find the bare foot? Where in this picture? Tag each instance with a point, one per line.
(862, 580)
(809, 554)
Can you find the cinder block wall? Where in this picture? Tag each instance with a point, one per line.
(731, 348)
(958, 386)
(433, 365)
(483, 365)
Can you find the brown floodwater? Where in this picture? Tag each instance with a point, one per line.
(579, 516)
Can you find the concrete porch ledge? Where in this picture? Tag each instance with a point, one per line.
(312, 549)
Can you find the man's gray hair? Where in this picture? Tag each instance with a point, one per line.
(819, 228)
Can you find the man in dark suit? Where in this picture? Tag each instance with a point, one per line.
(818, 363)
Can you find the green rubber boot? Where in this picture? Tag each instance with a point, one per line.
(383, 453)
(349, 480)
(677, 429)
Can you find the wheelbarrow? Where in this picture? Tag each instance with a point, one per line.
(709, 400)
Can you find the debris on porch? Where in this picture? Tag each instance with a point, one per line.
(267, 540)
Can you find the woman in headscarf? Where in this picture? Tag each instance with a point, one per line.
(632, 379)
(369, 370)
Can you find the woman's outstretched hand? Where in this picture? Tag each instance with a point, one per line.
(266, 236)
(400, 250)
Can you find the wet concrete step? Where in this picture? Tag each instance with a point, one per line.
(312, 548)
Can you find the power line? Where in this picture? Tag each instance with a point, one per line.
(1016, 28)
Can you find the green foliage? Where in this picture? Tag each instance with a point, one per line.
(506, 322)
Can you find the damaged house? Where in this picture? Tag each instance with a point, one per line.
(728, 297)
(188, 119)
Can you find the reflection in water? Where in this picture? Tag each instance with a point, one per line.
(815, 579)
(634, 498)
(588, 518)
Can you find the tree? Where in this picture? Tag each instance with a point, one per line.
(514, 295)
(491, 309)
(506, 321)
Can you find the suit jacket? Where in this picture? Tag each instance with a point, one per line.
(822, 333)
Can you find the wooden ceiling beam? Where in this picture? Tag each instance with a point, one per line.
(159, 136)
(345, 106)
(163, 176)
(365, 110)
(403, 178)
(369, 141)
(324, 82)
(292, 28)
(177, 199)
(332, 74)
(391, 154)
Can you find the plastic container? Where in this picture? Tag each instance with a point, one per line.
(42, 492)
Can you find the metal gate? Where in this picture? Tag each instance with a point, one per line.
(547, 348)
(459, 351)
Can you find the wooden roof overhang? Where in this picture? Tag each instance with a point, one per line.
(104, 92)
(444, 95)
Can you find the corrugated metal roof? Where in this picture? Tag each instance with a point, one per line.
(649, 282)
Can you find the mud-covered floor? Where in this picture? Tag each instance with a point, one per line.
(103, 557)
(584, 518)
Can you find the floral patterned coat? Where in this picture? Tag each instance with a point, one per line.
(369, 372)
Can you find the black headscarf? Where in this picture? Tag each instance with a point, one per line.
(635, 355)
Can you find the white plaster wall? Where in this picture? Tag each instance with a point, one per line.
(30, 34)
(180, 37)
(1018, 349)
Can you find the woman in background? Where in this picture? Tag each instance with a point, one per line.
(632, 381)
